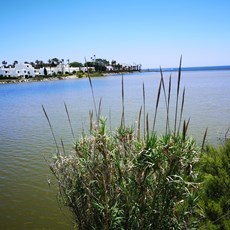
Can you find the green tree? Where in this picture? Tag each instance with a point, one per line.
(76, 64)
(89, 64)
(103, 61)
(55, 61)
(31, 63)
(50, 63)
(39, 63)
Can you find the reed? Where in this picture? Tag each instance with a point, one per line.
(169, 96)
(177, 95)
(143, 88)
(51, 128)
(69, 120)
(123, 103)
(139, 125)
(124, 180)
(165, 97)
(92, 91)
(156, 107)
(181, 111)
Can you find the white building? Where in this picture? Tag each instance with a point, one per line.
(60, 69)
(27, 70)
(20, 70)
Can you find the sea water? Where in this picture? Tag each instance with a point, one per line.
(28, 192)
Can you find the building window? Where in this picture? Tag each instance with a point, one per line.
(24, 71)
(6, 71)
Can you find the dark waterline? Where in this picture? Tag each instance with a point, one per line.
(27, 201)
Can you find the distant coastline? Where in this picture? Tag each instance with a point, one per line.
(51, 78)
(201, 68)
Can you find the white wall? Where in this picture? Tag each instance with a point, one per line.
(20, 69)
(24, 70)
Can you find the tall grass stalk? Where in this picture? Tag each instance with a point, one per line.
(177, 95)
(181, 111)
(51, 128)
(91, 87)
(165, 97)
(123, 102)
(69, 120)
(139, 125)
(156, 107)
(143, 90)
(169, 96)
(204, 138)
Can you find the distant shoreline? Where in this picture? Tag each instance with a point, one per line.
(35, 79)
(202, 68)
(46, 79)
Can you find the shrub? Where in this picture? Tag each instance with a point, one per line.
(80, 74)
(118, 180)
(115, 181)
(215, 195)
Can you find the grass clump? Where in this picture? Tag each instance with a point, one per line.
(115, 181)
(128, 179)
(122, 180)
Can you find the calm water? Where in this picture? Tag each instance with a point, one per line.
(26, 199)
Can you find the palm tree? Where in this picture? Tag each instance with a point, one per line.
(68, 64)
(32, 63)
(4, 63)
(39, 63)
(113, 63)
(15, 63)
(62, 65)
(55, 61)
(50, 62)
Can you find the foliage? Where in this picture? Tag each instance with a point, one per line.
(80, 74)
(215, 196)
(76, 64)
(122, 180)
(115, 181)
(103, 61)
(125, 180)
(89, 64)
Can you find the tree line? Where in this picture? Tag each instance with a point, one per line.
(98, 63)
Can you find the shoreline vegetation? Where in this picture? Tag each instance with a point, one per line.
(11, 80)
(59, 69)
(136, 178)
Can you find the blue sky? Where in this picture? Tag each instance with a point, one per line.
(149, 32)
